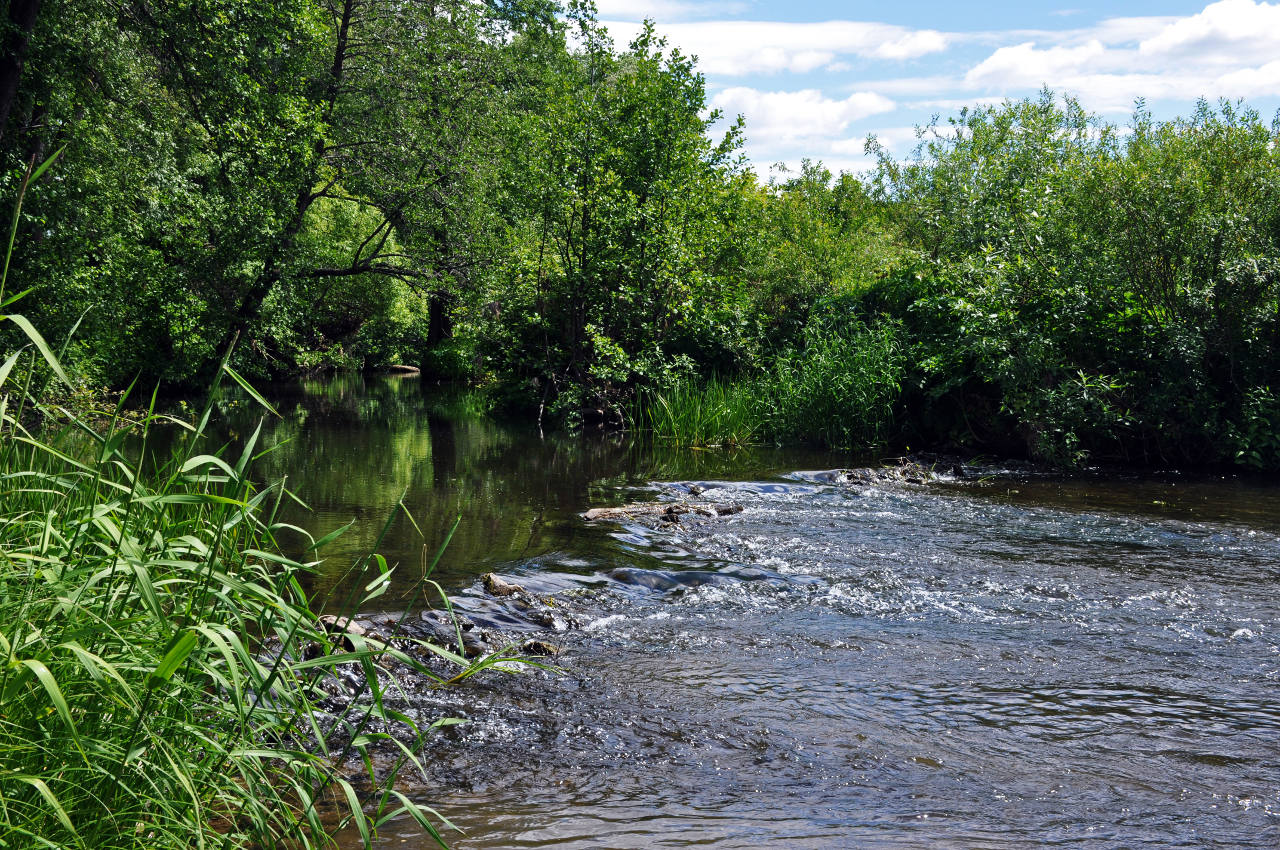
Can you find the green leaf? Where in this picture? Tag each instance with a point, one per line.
(179, 648)
(50, 685)
(8, 365)
(207, 460)
(247, 387)
(44, 166)
(15, 298)
(38, 341)
(330, 537)
(357, 812)
(49, 797)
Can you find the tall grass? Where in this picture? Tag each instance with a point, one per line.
(159, 663)
(711, 414)
(839, 391)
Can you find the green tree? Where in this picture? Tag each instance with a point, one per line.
(1088, 293)
(624, 191)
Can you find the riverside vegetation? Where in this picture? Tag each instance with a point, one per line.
(165, 679)
(498, 194)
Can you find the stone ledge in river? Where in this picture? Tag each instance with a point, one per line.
(525, 609)
(662, 513)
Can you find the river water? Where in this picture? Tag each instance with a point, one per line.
(1009, 659)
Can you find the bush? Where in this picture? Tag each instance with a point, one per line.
(1087, 293)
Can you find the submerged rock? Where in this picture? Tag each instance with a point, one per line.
(334, 624)
(535, 647)
(898, 470)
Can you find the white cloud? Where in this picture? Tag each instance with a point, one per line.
(1252, 82)
(1228, 33)
(1025, 65)
(734, 48)
(1227, 50)
(925, 86)
(1119, 31)
(858, 69)
(781, 117)
(949, 106)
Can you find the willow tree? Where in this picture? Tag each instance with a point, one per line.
(622, 189)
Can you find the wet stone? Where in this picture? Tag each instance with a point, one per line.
(498, 587)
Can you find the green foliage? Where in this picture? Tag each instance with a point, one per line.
(818, 237)
(499, 194)
(1256, 436)
(1088, 293)
(622, 186)
(177, 174)
(282, 171)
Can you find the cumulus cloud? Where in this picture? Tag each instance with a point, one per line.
(855, 70)
(786, 117)
(1226, 50)
(1023, 65)
(1226, 33)
(1251, 82)
(1122, 31)
(735, 48)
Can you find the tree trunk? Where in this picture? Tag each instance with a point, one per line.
(439, 318)
(22, 19)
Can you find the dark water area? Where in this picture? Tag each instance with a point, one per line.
(1011, 659)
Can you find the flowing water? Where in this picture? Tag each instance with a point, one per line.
(1013, 660)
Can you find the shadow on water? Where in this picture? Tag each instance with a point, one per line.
(1002, 659)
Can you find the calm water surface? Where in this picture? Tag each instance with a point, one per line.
(1022, 661)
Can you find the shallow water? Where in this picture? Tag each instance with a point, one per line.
(1022, 660)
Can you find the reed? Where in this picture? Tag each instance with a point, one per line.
(702, 415)
(840, 391)
(159, 659)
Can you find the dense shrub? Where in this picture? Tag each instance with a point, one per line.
(1088, 292)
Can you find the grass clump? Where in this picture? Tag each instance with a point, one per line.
(839, 390)
(711, 414)
(158, 657)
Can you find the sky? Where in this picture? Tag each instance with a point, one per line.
(814, 79)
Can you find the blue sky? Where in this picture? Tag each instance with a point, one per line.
(813, 79)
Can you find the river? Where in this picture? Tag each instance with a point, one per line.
(1007, 659)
